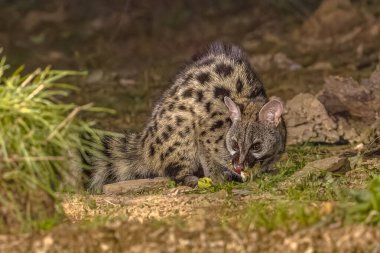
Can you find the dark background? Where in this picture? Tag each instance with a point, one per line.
(133, 48)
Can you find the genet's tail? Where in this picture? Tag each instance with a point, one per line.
(119, 159)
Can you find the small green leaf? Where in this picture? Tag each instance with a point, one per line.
(171, 184)
(204, 182)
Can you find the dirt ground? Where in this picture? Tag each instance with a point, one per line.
(179, 220)
(131, 49)
(134, 237)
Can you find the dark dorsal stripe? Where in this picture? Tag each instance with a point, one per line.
(223, 69)
(151, 150)
(203, 77)
(217, 124)
(221, 92)
(199, 96)
(188, 93)
(208, 107)
(239, 86)
(172, 170)
(179, 120)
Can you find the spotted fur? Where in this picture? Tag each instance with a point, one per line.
(185, 136)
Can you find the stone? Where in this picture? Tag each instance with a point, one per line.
(135, 186)
(331, 164)
(308, 121)
(332, 17)
(321, 66)
(342, 95)
(266, 62)
(241, 192)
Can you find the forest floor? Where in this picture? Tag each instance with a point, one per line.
(131, 51)
(270, 213)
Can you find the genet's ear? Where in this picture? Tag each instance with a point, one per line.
(234, 110)
(271, 112)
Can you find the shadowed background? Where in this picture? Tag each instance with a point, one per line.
(133, 48)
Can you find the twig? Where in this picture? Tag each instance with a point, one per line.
(30, 78)
(109, 202)
(69, 118)
(35, 92)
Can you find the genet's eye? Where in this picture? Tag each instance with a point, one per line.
(256, 147)
(235, 146)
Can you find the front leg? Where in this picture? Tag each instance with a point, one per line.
(184, 171)
(267, 165)
(220, 173)
(215, 158)
(232, 176)
(191, 181)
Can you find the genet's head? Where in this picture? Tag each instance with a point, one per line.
(250, 141)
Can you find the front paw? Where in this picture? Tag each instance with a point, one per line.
(232, 176)
(191, 181)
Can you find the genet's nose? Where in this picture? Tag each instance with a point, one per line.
(238, 168)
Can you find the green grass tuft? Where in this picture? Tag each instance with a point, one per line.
(367, 204)
(38, 136)
(281, 214)
(297, 158)
(318, 186)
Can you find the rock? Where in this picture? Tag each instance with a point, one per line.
(308, 121)
(331, 164)
(321, 66)
(135, 186)
(265, 62)
(262, 62)
(346, 95)
(241, 192)
(347, 129)
(282, 61)
(332, 17)
(326, 117)
(374, 79)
